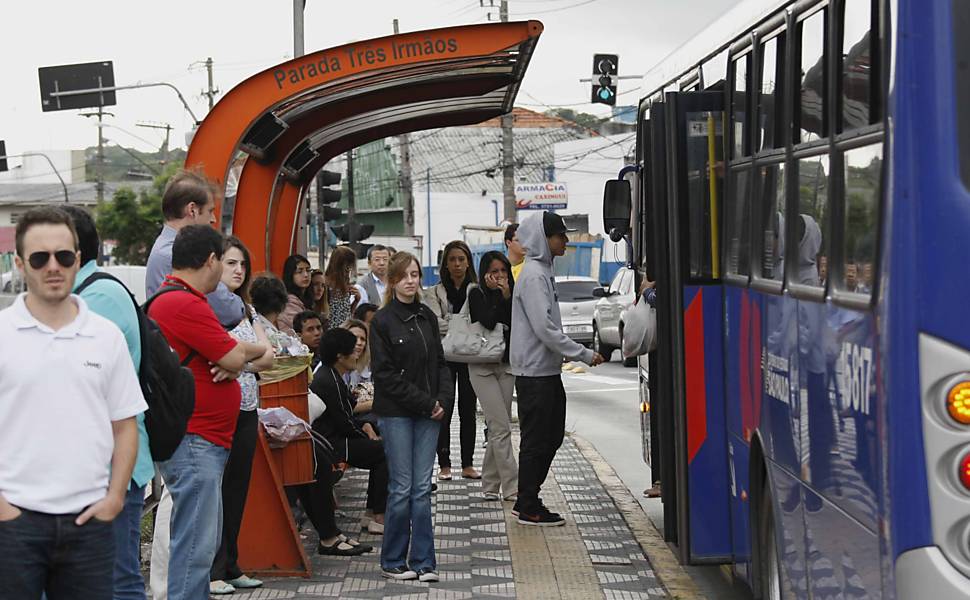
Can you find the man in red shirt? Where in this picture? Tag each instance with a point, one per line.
(194, 472)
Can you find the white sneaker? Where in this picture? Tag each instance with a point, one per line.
(428, 575)
(491, 496)
(220, 587)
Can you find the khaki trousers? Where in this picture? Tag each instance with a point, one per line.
(494, 387)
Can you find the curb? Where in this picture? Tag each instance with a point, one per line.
(669, 571)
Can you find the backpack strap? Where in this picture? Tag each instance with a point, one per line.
(164, 290)
(99, 276)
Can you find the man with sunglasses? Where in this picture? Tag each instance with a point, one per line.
(68, 434)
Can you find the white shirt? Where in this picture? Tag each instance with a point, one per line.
(59, 393)
(381, 288)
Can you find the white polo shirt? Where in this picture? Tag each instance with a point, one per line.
(59, 392)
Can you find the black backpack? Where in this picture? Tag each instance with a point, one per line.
(166, 382)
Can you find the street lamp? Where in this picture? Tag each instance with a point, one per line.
(49, 161)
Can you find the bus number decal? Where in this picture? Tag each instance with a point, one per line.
(854, 375)
(775, 370)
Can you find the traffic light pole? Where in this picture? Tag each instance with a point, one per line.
(508, 160)
(351, 209)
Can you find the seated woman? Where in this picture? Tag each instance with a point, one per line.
(356, 444)
(359, 380)
(269, 299)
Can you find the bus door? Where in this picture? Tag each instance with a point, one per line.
(684, 166)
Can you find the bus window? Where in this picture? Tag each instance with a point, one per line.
(811, 224)
(739, 107)
(862, 173)
(703, 166)
(771, 187)
(857, 73)
(737, 223)
(769, 94)
(811, 114)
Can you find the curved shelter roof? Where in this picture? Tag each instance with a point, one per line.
(289, 120)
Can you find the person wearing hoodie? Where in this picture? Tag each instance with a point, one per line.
(538, 346)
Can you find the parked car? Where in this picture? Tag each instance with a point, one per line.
(133, 276)
(607, 323)
(576, 301)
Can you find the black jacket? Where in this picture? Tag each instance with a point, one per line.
(489, 308)
(408, 365)
(337, 423)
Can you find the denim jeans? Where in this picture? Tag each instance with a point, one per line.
(128, 582)
(542, 422)
(41, 552)
(409, 445)
(194, 477)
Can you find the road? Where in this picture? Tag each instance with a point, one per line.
(603, 408)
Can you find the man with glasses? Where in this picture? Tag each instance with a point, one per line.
(374, 284)
(68, 434)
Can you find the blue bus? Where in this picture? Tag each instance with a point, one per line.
(801, 200)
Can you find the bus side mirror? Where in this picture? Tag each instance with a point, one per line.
(617, 206)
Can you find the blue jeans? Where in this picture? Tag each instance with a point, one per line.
(41, 553)
(194, 478)
(128, 582)
(409, 445)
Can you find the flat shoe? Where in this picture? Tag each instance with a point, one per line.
(339, 549)
(244, 582)
(375, 528)
(473, 475)
(364, 547)
(220, 587)
(444, 476)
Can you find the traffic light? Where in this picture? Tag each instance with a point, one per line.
(605, 68)
(353, 231)
(327, 195)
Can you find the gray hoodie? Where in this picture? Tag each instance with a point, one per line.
(538, 344)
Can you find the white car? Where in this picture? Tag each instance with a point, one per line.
(607, 322)
(576, 301)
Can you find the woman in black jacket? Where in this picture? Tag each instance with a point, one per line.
(490, 304)
(356, 444)
(412, 390)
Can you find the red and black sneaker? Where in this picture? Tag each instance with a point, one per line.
(541, 518)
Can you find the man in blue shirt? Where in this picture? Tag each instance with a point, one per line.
(112, 301)
(189, 199)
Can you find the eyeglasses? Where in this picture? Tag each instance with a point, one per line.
(65, 258)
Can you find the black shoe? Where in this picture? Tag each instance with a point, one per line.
(428, 575)
(541, 518)
(399, 573)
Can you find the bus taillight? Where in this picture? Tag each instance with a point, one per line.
(965, 470)
(958, 403)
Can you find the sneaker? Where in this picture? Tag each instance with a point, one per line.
(541, 518)
(399, 573)
(491, 496)
(427, 575)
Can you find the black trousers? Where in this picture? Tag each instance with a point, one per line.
(466, 417)
(368, 454)
(317, 497)
(235, 487)
(542, 422)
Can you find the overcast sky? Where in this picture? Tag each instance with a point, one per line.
(160, 41)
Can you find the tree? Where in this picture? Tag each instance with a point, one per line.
(132, 220)
(580, 118)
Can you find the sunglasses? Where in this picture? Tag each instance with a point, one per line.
(65, 258)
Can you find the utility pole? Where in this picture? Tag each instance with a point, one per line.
(168, 132)
(100, 165)
(298, 6)
(407, 185)
(351, 210)
(212, 91)
(508, 160)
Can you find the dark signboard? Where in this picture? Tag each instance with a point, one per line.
(71, 78)
(3, 156)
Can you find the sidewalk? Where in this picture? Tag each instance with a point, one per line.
(483, 553)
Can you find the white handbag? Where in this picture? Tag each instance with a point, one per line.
(468, 342)
(639, 329)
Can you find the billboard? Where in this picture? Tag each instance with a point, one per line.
(549, 195)
(76, 78)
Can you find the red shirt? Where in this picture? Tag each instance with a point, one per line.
(189, 324)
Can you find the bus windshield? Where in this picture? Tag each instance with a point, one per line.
(961, 49)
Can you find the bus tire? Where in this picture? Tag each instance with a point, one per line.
(769, 567)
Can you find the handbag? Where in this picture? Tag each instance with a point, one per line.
(468, 342)
(639, 329)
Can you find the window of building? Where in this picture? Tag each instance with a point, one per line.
(811, 116)
(858, 74)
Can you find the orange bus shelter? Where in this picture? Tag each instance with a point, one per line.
(272, 133)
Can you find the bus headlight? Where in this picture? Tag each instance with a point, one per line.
(958, 403)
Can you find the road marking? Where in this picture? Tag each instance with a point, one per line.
(604, 379)
(602, 390)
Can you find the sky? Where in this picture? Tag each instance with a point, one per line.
(167, 41)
